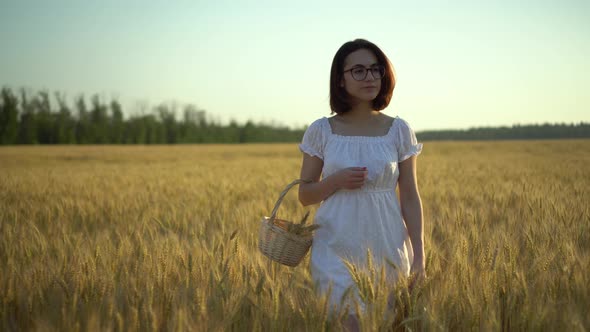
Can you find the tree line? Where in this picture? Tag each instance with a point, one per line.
(38, 118)
(534, 131)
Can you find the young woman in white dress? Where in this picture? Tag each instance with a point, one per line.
(354, 160)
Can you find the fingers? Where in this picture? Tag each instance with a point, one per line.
(353, 177)
(416, 278)
(356, 178)
(358, 172)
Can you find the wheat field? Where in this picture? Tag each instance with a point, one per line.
(142, 238)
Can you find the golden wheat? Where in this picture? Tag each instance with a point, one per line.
(165, 238)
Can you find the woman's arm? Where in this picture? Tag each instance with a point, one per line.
(317, 191)
(411, 206)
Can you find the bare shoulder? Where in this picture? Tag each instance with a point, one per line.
(387, 120)
(339, 123)
(336, 119)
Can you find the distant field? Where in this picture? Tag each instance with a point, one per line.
(139, 238)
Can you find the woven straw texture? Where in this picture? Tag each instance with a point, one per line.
(276, 243)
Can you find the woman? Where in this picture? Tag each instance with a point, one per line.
(361, 155)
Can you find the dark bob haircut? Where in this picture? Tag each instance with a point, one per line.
(339, 101)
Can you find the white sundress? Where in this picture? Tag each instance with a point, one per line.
(353, 221)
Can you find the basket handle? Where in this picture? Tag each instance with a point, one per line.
(282, 195)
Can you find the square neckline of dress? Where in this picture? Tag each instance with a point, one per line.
(389, 130)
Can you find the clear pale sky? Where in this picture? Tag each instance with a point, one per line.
(459, 64)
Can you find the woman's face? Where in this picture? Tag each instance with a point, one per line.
(366, 89)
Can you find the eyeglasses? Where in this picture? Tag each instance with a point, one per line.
(359, 73)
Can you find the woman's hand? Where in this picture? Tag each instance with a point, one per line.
(417, 273)
(349, 178)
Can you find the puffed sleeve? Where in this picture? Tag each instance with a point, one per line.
(313, 140)
(407, 144)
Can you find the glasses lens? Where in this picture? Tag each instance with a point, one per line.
(378, 72)
(359, 73)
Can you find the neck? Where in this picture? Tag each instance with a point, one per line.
(360, 111)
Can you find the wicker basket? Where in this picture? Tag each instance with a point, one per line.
(276, 243)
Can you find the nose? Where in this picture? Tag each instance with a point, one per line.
(370, 72)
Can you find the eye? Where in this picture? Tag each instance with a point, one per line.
(378, 71)
(358, 71)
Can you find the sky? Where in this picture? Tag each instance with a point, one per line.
(459, 64)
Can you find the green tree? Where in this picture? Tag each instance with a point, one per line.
(194, 124)
(154, 129)
(167, 115)
(232, 132)
(136, 132)
(117, 125)
(45, 119)
(8, 117)
(27, 131)
(65, 125)
(83, 125)
(99, 121)
(248, 132)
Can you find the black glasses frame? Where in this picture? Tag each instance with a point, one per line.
(377, 71)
